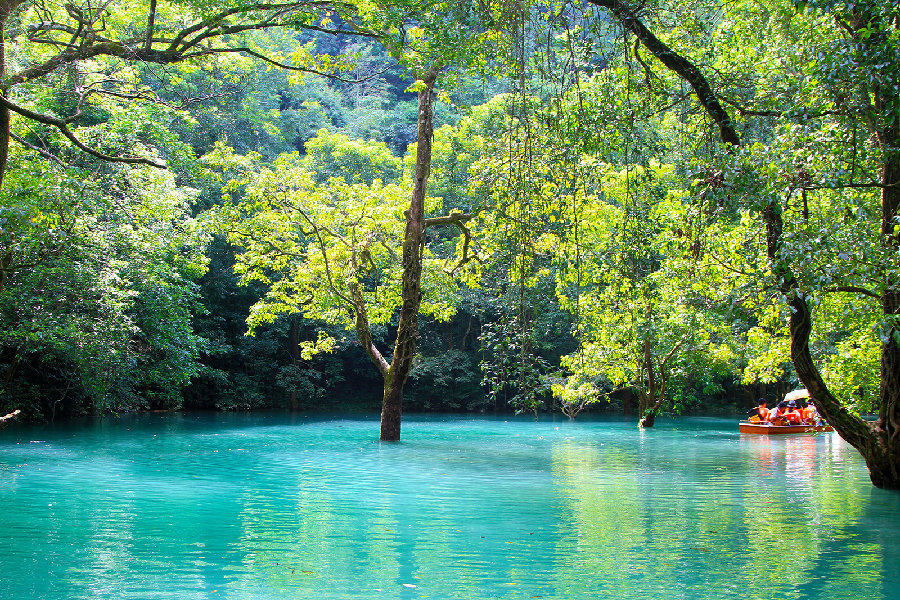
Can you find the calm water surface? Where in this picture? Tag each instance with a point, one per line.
(277, 507)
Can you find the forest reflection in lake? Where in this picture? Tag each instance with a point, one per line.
(277, 507)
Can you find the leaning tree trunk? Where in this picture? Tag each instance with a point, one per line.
(413, 244)
(873, 442)
(886, 430)
(878, 442)
(294, 352)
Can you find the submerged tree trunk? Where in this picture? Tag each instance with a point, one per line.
(656, 382)
(413, 244)
(650, 403)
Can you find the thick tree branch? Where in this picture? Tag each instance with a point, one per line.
(459, 221)
(852, 289)
(87, 43)
(455, 219)
(63, 127)
(364, 329)
(287, 14)
(677, 63)
(280, 64)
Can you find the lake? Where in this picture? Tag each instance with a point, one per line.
(272, 507)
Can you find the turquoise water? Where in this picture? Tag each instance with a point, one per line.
(277, 507)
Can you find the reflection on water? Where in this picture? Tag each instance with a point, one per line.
(275, 507)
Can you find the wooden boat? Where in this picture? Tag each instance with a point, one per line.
(769, 429)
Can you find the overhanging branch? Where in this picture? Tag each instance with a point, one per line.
(677, 63)
(63, 127)
(279, 64)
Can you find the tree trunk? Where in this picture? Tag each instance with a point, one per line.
(413, 244)
(649, 402)
(879, 443)
(676, 63)
(5, 8)
(885, 472)
(874, 443)
(294, 353)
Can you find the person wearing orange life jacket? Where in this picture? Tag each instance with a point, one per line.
(760, 413)
(792, 414)
(810, 414)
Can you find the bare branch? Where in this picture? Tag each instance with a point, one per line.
(40, 151)
(853, 289)
(458, 220)
(671, 353)
(63, 127)
(213, 26)
(804, 114)
(279, 64)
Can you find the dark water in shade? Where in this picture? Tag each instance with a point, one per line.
(276, 507)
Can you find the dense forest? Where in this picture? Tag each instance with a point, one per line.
(452, 206)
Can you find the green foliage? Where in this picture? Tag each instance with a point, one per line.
(314, 246)
(613, 235)
(334, 155)
(97, 309)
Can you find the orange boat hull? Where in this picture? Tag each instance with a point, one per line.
(769, 429)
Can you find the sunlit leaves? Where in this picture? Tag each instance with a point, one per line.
(314, 230)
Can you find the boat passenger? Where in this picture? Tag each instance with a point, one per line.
(810, 414)
(776, 415)
(792, 414)
(760, 413)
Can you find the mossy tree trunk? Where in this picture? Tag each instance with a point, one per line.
(413, 245)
